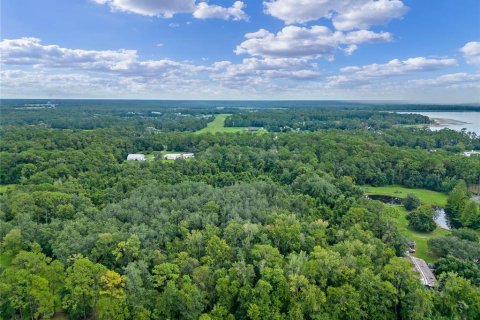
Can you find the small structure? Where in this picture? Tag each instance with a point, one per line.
(175, 156)
(136, 157)
(412, 246)
(426, 274)
(471, 153)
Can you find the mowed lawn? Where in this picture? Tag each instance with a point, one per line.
(218, 125)
(399, 215)
(426, 196)
(420, 238)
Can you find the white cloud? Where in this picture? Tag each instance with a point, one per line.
(206, 11)
(268, 68)
(152, 8)
(30, 51)
(471, 52)
(454, 80)
(346, 14)
(65, 71)
(364, 75)
(168, 8)
(369, 13)
(314, 42)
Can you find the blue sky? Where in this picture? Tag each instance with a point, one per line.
(427, 51)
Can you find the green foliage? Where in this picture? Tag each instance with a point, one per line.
(270, 226)
(421, 219)
(411, 202)
(459, 248)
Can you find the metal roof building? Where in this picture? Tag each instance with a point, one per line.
(426, 275)
(136, 157)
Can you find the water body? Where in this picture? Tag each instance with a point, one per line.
(441, 219)
(454, 120)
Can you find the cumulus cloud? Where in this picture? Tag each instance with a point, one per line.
(345, 14)
(460, 79)
(30, 51)
(354, 75)
(151, 8)
(368, 13)
(206, 11)
(471, 52)
(168, 8)
(52, 68)
(268, 68)
(314, 42)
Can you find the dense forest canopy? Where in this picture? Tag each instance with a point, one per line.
(258, 225)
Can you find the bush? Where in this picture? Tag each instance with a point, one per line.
(421, 219)
(411, 202)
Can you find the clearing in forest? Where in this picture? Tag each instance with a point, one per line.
(218, 125)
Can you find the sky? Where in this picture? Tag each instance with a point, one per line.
(408, 50)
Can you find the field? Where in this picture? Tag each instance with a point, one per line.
(218, 125)
(420, 238)
(399, 215)
(5, 187)
(426, 196)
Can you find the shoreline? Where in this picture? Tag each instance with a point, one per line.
(445, 122)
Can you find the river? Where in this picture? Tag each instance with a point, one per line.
(454, 120)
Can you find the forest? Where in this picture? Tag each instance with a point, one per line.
(269, 225)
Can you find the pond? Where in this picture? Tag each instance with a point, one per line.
(384, 199)
(441, 218)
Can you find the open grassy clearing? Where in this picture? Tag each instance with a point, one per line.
(426, 196)
(218, 125)
(6, 187)
(399, 214)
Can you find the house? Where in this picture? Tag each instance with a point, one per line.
(136, 157)
(424, 271)
(471, 153)
(175, 156)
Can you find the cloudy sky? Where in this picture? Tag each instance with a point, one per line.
(427, 51)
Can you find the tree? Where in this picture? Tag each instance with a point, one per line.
(455, 203)
(12, 242)
(82, 285)
(464, 268)
(112, 303)
(459, 299)
(421, 219)
(411, 202)
(470, 215)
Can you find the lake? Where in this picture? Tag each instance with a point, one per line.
(469, 120)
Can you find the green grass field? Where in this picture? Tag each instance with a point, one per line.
(399, 215)
(5, 187)
(218, 125)
(426, 196)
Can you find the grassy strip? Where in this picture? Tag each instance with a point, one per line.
(426, 196)
(218, 125)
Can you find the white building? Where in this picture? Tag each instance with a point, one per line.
(470, 153)
(136, 157)
(175, 156)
